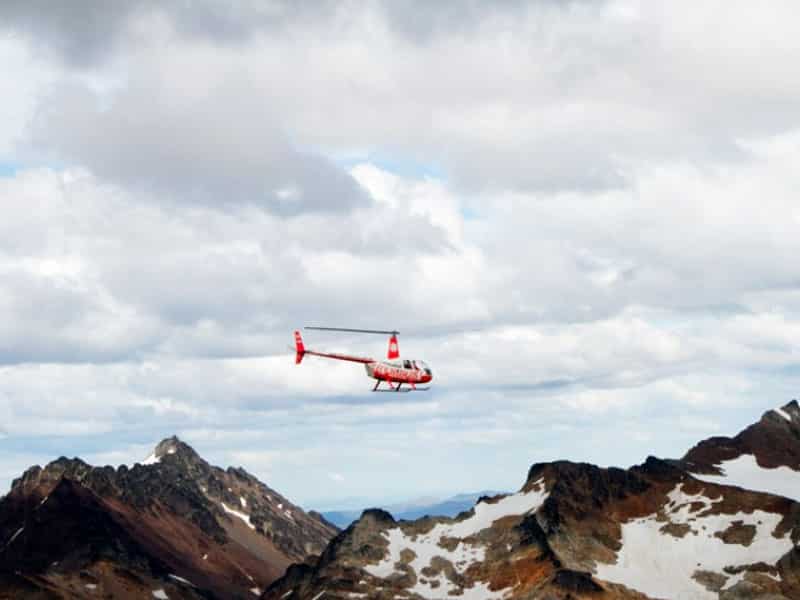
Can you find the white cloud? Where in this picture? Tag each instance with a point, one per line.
(583, 215)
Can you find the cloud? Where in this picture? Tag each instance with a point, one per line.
(88, 32)
(579, 213)
(162, 138)
(95, 274)
(80, 32)
(519, 96)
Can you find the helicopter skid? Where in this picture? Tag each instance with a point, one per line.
(402, 390)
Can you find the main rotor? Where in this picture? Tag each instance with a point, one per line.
(351, 330)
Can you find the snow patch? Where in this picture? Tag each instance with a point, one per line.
(486, 514)
(661, 565)
(242, 501)
(205, 556)
(91, 586)
(256, 591)
(182, 580)
(679, 505)
(15, 536)
(733, 580)
(160, 594)
(152, 459)
(240, 515)
(784, 414)
(318, 596)
(427, 546)
(745, 472)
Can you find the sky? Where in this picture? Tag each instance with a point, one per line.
(583, 214)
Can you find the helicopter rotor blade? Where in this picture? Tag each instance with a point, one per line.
(349, 330)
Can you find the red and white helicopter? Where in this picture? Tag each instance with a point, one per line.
(394, 371)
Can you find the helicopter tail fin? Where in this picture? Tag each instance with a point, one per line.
(394, 350)
(299, 348)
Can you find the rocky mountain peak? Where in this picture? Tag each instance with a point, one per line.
(177, 451)
(789, 412)
(223, 530)
(169, 445)
(772, 442)
(49, 476)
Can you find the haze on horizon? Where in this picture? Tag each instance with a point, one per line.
(583, 215)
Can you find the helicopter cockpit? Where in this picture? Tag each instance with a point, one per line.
(421, 365)
(413, 365)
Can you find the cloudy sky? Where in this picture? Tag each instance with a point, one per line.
(585, 215)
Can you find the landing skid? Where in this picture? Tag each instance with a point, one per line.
(399, 388)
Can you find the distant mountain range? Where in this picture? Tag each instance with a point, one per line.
(721, 523)
(447, 507)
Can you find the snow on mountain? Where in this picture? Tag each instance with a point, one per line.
(745, 472)
(151, 459)
(239, 515)
(453, 542)
(665, 561)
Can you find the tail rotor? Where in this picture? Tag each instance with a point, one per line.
(300, 348)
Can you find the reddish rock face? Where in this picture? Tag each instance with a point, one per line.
(178, 525)
(577, 531)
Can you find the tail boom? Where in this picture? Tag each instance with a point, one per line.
(301, 351)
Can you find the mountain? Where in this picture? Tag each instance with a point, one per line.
(172, 527)
(764, 456)
(721, 523)
(432, 507)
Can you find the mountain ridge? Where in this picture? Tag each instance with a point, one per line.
(720, 523)
(579, 531)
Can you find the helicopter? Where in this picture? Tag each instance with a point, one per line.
(394, 371)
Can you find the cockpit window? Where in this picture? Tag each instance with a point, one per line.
(406, 364)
